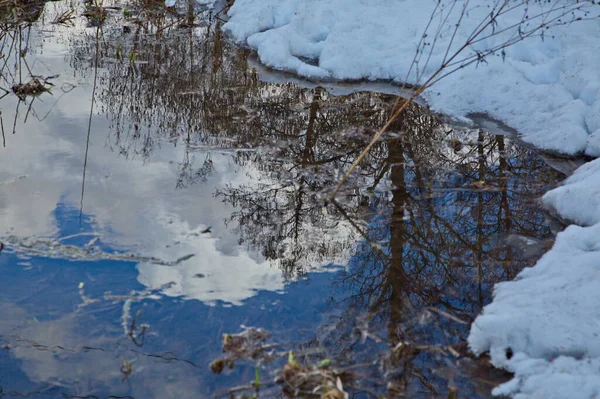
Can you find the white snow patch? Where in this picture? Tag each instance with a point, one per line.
(556, 379)
(578, 199)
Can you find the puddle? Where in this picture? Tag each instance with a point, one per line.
(157, 194)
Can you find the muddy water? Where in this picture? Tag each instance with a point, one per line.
(161, 194)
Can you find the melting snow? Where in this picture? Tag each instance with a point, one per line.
(545, 87)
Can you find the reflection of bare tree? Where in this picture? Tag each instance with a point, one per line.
(281, 210)
(189, 87)
(435, 245)
(164, 83)
(441, 229)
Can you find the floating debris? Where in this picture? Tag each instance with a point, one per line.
(32, 88)
(89, 253)
(314, 380)
(320, 379)
(184, 258)
(126, 369)
(249, 344)
(246, 344)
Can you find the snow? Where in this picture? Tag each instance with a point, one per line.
(544, 326)
(546, 88)
(578, 199)
(548, 317)
(565, 374)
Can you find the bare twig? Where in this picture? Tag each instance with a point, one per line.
(455, 60)
(64, 18)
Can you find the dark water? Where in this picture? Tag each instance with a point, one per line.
(157, 142)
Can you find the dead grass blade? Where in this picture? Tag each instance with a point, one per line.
(64, 18)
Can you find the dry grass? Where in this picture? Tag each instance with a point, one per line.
(64, 18)
(32, 88)
(96, 15)
(15, 12)
(313, 379)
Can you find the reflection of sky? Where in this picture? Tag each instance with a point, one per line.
(133, 203)
(56, 344)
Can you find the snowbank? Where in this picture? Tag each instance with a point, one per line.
(545, 325)
(561, 378)
(547, 88)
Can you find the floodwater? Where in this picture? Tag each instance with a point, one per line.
(163, 193)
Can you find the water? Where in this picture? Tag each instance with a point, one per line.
(163, 194)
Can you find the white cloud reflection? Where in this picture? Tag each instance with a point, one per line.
(133, 203)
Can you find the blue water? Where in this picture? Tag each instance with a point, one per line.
(78, 349)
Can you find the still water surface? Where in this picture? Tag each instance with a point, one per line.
(164, 193)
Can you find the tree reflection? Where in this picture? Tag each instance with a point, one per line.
(282, 211)
(189, 87)
(435, 204)
(442, 231)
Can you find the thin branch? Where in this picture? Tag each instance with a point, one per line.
(451, 63)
